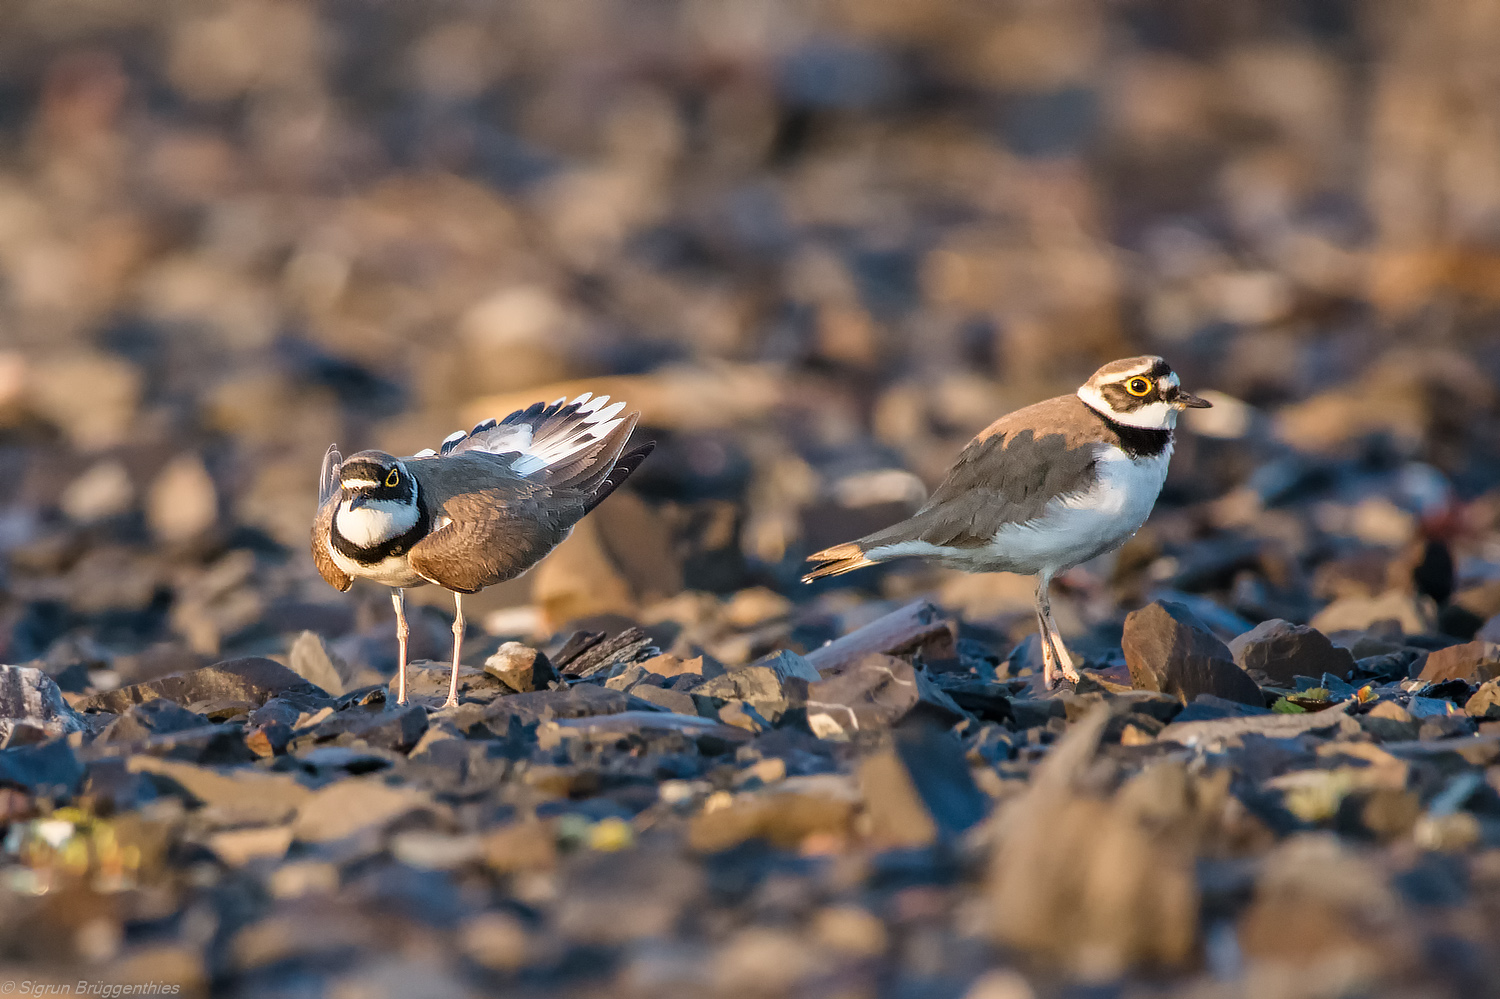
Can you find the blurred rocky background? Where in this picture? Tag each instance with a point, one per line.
(819, 245)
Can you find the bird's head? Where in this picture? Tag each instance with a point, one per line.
(375, 478)
(1139, 392)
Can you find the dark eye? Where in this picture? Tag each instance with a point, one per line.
(1138, 386)
(392, 479)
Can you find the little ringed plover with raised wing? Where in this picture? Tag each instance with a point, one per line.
(483, 508)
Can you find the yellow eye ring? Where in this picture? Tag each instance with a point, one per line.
(392, 479)
(1138, 386)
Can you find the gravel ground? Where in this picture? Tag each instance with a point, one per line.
(818, 246)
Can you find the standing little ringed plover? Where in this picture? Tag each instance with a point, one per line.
(1044, 489)
(484, 508)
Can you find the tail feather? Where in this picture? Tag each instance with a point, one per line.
(837, 560)
(591, 463)
(627, 463)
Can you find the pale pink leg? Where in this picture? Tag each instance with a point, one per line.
(1054, 653)
(458, 642)
(398, 599)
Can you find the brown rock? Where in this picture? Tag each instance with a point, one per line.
(1485, 702)
(1168, 649)
(1099, 885)
(1274, 652)
(250, 679)
(784, 818)
(1474, 662)
(520, 667)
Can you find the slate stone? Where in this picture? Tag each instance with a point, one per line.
(919, 625)
(788, 664)
(207, 744)
(250, 679)
(629, 646)
(1153, 704)
(48, 769)
(430, 679)
(1032, 712)
(664, 697)
(521, 668)
(236, 796)
(1207, 707)
(578, 701)
(282, 709)
(989, 701)
(631, 676)
(141, 721)
(30, 698)
(1421, 707)
(934, 759)
(1275, 651)
(767, 688)
(1270, 726)
(1447, 726)
(1390, 665)
(354, 805)
(871, 692)
(391, 727)
(1168, 649)
(1473, 662)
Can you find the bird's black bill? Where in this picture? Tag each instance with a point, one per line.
(358, 500)
(1187, 400)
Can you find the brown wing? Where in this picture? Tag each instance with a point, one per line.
(322, 529)
(499, 526)
(1005, 475)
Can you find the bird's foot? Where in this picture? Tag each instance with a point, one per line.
(451, 702)
(1064, 670)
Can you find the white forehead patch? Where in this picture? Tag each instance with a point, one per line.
(360, 483)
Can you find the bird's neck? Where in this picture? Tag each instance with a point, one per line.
(1137, 442)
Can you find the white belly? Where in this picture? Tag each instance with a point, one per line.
(1088, 524)
(1071, 530)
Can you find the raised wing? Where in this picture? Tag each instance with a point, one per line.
(549, 440)
(328, 478)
